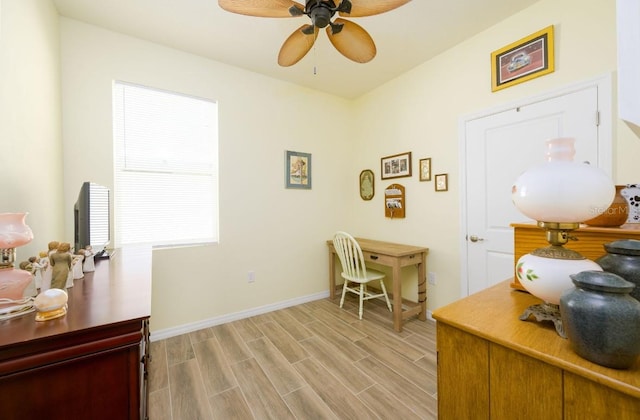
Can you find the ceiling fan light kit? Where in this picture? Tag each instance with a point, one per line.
(350, 39)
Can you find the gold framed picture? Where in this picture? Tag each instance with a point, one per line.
(442, 182)
(425, 169)
(367, 185)
(396, 166)
(525, 59)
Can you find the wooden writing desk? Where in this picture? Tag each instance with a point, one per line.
(395, 256)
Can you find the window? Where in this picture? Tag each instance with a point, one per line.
(166, 167)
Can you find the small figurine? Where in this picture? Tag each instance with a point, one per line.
(39, 267)
(89, 264)
(26, 265)
(47, 271)
(76, 267)
(53, 247)
(31, 289)
(60, 260)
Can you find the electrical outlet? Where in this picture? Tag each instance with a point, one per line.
(431, 278)
(251, 276)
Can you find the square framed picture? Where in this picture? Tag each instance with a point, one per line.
(425, 169)
(396, 166)
(297, 167)
(442, 182)
(523, 60)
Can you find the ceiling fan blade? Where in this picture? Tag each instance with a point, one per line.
(297, 46)
(352, 41)
(360, 8)
(261, 8)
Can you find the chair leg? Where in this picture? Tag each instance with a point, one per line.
(361, 298)
(384, 290)
(344, 291)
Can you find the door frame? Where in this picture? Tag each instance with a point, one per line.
(604, 85)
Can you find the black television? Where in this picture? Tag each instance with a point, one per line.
(92, 219)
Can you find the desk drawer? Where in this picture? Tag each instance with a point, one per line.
(410, 259)
(391, 261)
(378, 258)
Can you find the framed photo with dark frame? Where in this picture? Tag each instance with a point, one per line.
(396, 166)
(297, 167)
(525, 59)
(442, 182)
(367, 185)
(425, 169)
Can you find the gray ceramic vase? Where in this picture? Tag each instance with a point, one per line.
(623, 258)
(601, 319)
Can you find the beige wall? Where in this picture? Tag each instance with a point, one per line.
(30, 133)
(265, 228)
(420, 112)
(278, 233)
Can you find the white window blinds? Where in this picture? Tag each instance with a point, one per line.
(166, 167)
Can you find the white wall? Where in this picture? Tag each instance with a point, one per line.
(420, 111)
(278, 233)
(30, 134)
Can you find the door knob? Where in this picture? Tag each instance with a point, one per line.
(474, 238)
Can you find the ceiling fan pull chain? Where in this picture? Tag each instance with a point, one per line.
(315, 61)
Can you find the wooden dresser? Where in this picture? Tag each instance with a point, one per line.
(491, 365)
(90, 363)
(588, 240)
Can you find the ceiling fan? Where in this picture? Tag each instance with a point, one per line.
(349, 38)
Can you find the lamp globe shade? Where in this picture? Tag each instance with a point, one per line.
(561, 190)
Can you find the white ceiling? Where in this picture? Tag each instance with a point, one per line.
(405, 37)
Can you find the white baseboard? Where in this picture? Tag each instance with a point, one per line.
(195, 326)
(429, 317)
(206, 323)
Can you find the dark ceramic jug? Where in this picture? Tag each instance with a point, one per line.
(623, 259)
(601, 320)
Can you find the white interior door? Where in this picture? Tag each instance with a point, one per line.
(497, 149)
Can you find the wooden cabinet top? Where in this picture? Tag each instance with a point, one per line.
(117, 292)
(493, 314)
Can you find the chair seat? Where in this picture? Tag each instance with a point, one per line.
(370, 275)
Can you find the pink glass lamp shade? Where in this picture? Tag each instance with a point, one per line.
(14, 232)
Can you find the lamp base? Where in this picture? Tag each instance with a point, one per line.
(545, 312)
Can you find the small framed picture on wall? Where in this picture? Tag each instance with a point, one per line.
(297, 169)
(367, 185)
(442, 182)
(425, 169)
(523, 60)
(396, 166)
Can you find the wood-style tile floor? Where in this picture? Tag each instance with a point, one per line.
(311, 361)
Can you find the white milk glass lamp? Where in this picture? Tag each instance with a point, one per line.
(559, 194)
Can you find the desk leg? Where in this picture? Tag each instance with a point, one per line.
(332, 276)
(397, 298)
(422, 288)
